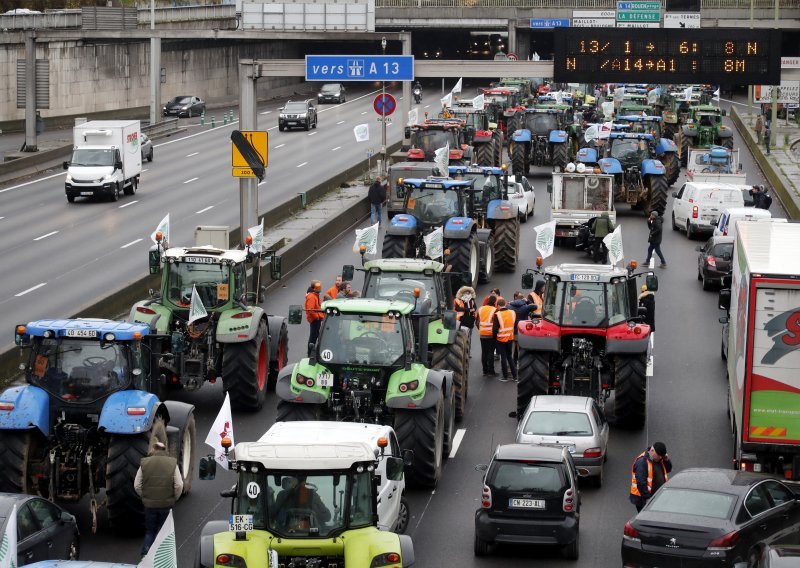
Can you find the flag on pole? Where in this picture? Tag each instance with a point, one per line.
(545, 238)
(163, 553)
(8, 544)
(447, 101)
(361, 132)
(457, 88)
(221, 428)
(163, 228)
(413, 116)
(442, 159)
(478, 102)
(613, 242)
(619, 94)
(196, 308)
(652, 96)
(368, 236)
(257, 233)
(687, 93)
(716, 94)
(434, 243)
(608, 109)
(559, 97)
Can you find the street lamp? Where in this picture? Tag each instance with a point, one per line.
(383, 113)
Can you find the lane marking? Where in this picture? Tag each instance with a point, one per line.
(337, 148)
(191, 180)
(32, 182)
(426, 106)
(50, 234)
(144, 170)
(1, 218)
(203, 210)
(129, 203)
(266, 112)
(312, 133)
(280, 146)
(340, 122)
(365, 112)
(273, 128)
(301, 165)
(131, 243)
(192, 154)
(262, 183)
(30, 289)
(457, 441)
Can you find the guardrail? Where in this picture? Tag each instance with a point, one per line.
(35, 21)
(188, 13)
(574, 4)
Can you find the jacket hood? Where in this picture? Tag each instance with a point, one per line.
(465, 290)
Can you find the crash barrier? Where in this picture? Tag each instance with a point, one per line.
(575, 4)
(783, 189)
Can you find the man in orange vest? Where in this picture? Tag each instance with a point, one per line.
(650, 470)
(314, 314)
(488, 343)
(333, 291)
(535, 297)
(503, 332)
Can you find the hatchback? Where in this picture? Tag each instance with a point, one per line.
(44, 530)
(331, 92)
(185, 105)
(147, 148)
(714, 260)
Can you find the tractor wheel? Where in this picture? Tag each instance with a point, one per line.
(498, 146)
(534, 377)
(670, 130)
(658, 194)
(685, 143)
(518, 161)
(506, 242)
(630, 391)
(484, 153)
(486, 270)
(464, 257)
(422, 431)
(245, 367)
(295, 412)
(560, 155)
(185, 456)
(455, 357)
(672, 165)
(396, 247)
(281, 357)
(727, 143)
(449, 422)
(18, 452)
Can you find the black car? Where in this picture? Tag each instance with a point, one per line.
(530, 496)
(298, 113)
(331, 93)
(780, 556)
(44, 530)
(714, 260)
(711, 517)
(185, 105)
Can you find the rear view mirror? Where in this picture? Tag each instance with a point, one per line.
(527, 281)
(394, 468)
(66, 165)
(154, 260)
(407, 132)
(724, 300)
(295, 315)
(512, 414)
(65, 517)
(674, 194)
(652, 282)
(275, 267)
(408, 456)
(450, 321)
(208, 468)
(348, 271)
(118, 164)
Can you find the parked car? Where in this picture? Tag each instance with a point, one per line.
(530, 496)
(698, 205)
(184, 106)
(573, 422)
(147, 147)
(711, 517)
(45, 531)
(714, 260)
(520, 192)
(298, 113)
(331, 92)
(780, 556)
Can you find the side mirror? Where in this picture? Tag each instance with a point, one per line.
(482, 467)
(295, 315)
(699, 248)
(674, 194)
(726, 281)
(723, 320)
(466, 278)
(550, 187)
(724, 112)
(228, 492)
(652, 282)
(66, 165)
(275, 267)
(408, 456)
(407, 132)
(208, 468)
(348, 272)
(724, 300)
(512, 414)
(118, 165)
(65, 517)
(527, 281)
(394, 468)
(582, 472)
(154, 260)
(262, 294)
(450, 321)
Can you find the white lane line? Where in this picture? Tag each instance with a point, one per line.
(340, 122)
(191, 180)
(30, 289)
(129, 203)
(365, 112)
(426, 106)
(262, 183)
(337, 148)
(266, 112)
(1, 218)
(273, 128)
(312, 133)
(131, 244)
(204, 209)
(192, 154)
(279, 146)
(31, 182)
(301, 165)
(144, 170)
(649, 372)
(50, 234)
(457, 441)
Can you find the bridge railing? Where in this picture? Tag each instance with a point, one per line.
(576, 4)
(70, 19)
(188, 13)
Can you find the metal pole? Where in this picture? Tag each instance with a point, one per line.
(30, 93)
(750, 87)
(383, 114)
(155, 68)
(774, 116)
(406, 42)
(248, 187)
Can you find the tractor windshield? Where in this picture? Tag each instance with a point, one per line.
(305, 504)
(586, 304)
(432, 206)
(210, 280)
(400, 286)
(629, 151)
(78, 370)
(497, 99)
(431, 140)
(362, 339)
(541, 124)
(707, 119)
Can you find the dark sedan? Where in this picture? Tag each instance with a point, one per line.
(44, 530)
(711, 517)
(185, 105)
(331, 93)
(714, 260)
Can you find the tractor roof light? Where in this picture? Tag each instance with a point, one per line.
(159, 236)
(226, 442)
(539, 261)
(383, 442)
(20, 329)
(248, 240)
(416, 292)
(137, 335)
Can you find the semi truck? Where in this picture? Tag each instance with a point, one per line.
(763, 348)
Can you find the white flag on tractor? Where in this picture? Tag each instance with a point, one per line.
(457, 88)
(687, 93)
(478, 102)
(163, 553)
(652, 96)
(545, 238)
(608, 109)
(196, 308)
(368, 236)
(559, 97)
(447, 101)
(619, 94)
(221, 428)
(613, 242)
(361, 132)
(257, 233)
(163, 228)
(413, 116)
(8, 544)
(716, 94)
(434, 243)
(442, 159)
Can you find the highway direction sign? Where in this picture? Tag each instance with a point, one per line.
(638, 11)
(549, 23)
(359, 67)
(683, 20)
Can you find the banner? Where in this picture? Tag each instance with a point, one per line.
(478, 102)
(442, 160)
(434, 243)
(8, 544)
(368, 236)
(608, 109)
(545, 238)
(613, 242)
(652, 96)
(163, 553)
(687, 93)
(163, 228)
(559, 97)
(619, 94)
(413, 116)
(196, 308)
(221, 428)
(361, 132)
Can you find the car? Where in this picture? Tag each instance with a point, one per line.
(530, 496)
(147, 147)
(574, 422)
(185, 106)
(705, 517)
(520, 192)
(780, 556)
(298, 113)
(714, 260)
(45, 531)
(331, 92)
(698, 205)
(727, 221)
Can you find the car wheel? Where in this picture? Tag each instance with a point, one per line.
(753, 558)
(699, 274)
(571, 550)
(481, 546)
(315, 122)
(308, 125)
(189, 113)
(674, 224)
(74, 549)
(706, 283)
(689, 232)
(344, 99)
(281, 128)
(150, 156)
(115, 193)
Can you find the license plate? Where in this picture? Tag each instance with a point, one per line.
(81, 333)
(585, 277)
(325, 379)
(87, 193)
(240, 523)
(526, 503)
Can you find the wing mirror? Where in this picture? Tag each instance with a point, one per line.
(295, 315)
(275, 267)
(208, 468)
(482, 467)
(154, 260)
(450, 321)
(466, 278)
(652, 282)
(348, 272)
(527, 281)
(408, 456)
(674, 194)
(66, 165)
(724, 299)
(394, 468)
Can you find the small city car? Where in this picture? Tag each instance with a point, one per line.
(530, 496)
(711, 517)
(45, 531)
(714, 260)
(147, 147)
(301, 114)
(331, 93)
(185, 105)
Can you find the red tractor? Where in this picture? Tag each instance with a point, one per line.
(484, 136)
(502, 105)
(433, 134)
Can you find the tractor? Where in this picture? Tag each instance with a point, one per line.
(87, 416)
(539, 140)
(675, 109)
(639, 179)
(503, 105)
(433, 134)
(704, 129)
(665, 149)
(233, 339)
(482, 134)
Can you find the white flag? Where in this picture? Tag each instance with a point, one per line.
(196, 308)
(605, 129)
(687, 93)
(163, 553)
(442, 159)
(559, 97)
(222, 428)
(368, 236)
(619, 94)
(613, 242)
(434, 243)
(257, 233)
(457, 88)
(413, 117)
(716, 94)
(163, 228)
(545, 238)
(608, 109)
(8, 544)
(478, 102)
(535, 56)
(447, 101)
(592, 132)
(652, 96)
(361, 132)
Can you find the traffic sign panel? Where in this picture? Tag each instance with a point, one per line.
(243, 173)
(258, 139)
(549, 23)
(384, 104)
(359, 67)
(638, 11)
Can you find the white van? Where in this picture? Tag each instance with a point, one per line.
(727, 221)
(698, 206)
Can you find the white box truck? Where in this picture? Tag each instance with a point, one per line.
(763, 348)
(106, 159)
(576, 197)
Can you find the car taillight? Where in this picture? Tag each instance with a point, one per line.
(569, 501)
(6, 406)
(711, 262)
(486, 497)
(725, 232)
(593, 453)
(695, 211)
(726, 542)
(630, 533)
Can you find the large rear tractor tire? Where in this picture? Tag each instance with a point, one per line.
(672, 165)
(396, 247)
(281, 357)
(686, 142)
(19, 450)
(630, 393)
(422, 431)
(464, 257)
(658, 194)
(245, 367)
(486, 270)
(727, 143)
(560, 155)
(670, 130)
(506, 243)
(185, 455)
(455, 357)
(296, 412)
(499, 142)
(484, 153)
(518, 158)
(534, 377)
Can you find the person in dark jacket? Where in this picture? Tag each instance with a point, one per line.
(648, 300)
(465, 307)
(650, 470)
(159, 483)
(655, 223)
(761, 199)
(377, 197)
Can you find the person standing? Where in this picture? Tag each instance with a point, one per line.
(536, 297)
(655, 224)
(159, 483)
(493, 292)
(333, 291)
(377, 197)
(767, 135)
(647, 300)
(759, 127)
(503, 332)
(523, 308)
(488, 343)
(761, 199)
(345, 290)
(314, 313)
(650, 470)
(466, 309)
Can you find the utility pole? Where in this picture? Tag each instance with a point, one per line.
(30, 93)
(750, 87)
(774, 115)
(383, 114)
(155, 68)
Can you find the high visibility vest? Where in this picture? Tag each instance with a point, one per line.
(459, 304)
(634, 487)
(506, 319)
(485, 319)
(537, 300)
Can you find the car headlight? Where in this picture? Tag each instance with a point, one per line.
(107, 177)
(185, 108)
(302, 115)
(69, 178)
(319, 94)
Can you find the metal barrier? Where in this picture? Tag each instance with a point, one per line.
(66, 19)
(166, 125)
(575, 4)
(188, 13)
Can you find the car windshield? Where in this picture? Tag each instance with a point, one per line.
(556, 423)
(330, 88)
(295, 107)
(584, 303)
(629, 150)
(93, 157)
(78, 370)
(210, 281)
(362, 339)
(181, 100)
(432, 206)
(540, 124)
(400, 286)
(302, 505)
(692, 502)
(431, 140)
(507, 475)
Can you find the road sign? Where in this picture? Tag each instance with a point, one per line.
(593, 22)
(549, 23)
(243, 173)
(512, 57)
(384, 104)
(788, 92)
(638, 24)
(638, 11)
(684, 20)
(359, 67)
(258, 141)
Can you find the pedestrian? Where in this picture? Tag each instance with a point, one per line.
(536, 296)
(523, 308)
(647, 300)
(761, 199)
(159, 484)
(465, 307)
(493, 292)
(377, 197)
(650, 470)
(488, 343)
(503, 332)
(333, 291)
(314, 314)
(345, 290)
(655, 224)
(759, 127)
(767, 135)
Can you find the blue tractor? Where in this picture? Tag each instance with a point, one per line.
(87, 416)
(541, 139)
(639, 179)
(664, 149)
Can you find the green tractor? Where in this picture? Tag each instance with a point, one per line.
(704, 129)
(370, 365)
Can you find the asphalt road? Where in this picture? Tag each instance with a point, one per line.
(686, 410)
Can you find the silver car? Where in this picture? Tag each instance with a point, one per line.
(574, 422)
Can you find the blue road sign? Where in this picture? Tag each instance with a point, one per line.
(549, 23)
(359, 67)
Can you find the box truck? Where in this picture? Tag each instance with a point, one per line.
(578, 196)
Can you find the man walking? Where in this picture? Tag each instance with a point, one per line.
(503, 333)
(377, 197)
(655, 224)
(759, 127)
(314, 314)
(650, 470)
(767, 135)
(159, 483)
(488, 343)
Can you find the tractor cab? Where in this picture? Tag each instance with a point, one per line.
(434, 134)
(433, 201)
(642, 124)
(630, 149)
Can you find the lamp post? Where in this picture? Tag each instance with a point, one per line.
(383, 114)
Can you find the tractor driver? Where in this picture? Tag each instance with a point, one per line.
(298, 507)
